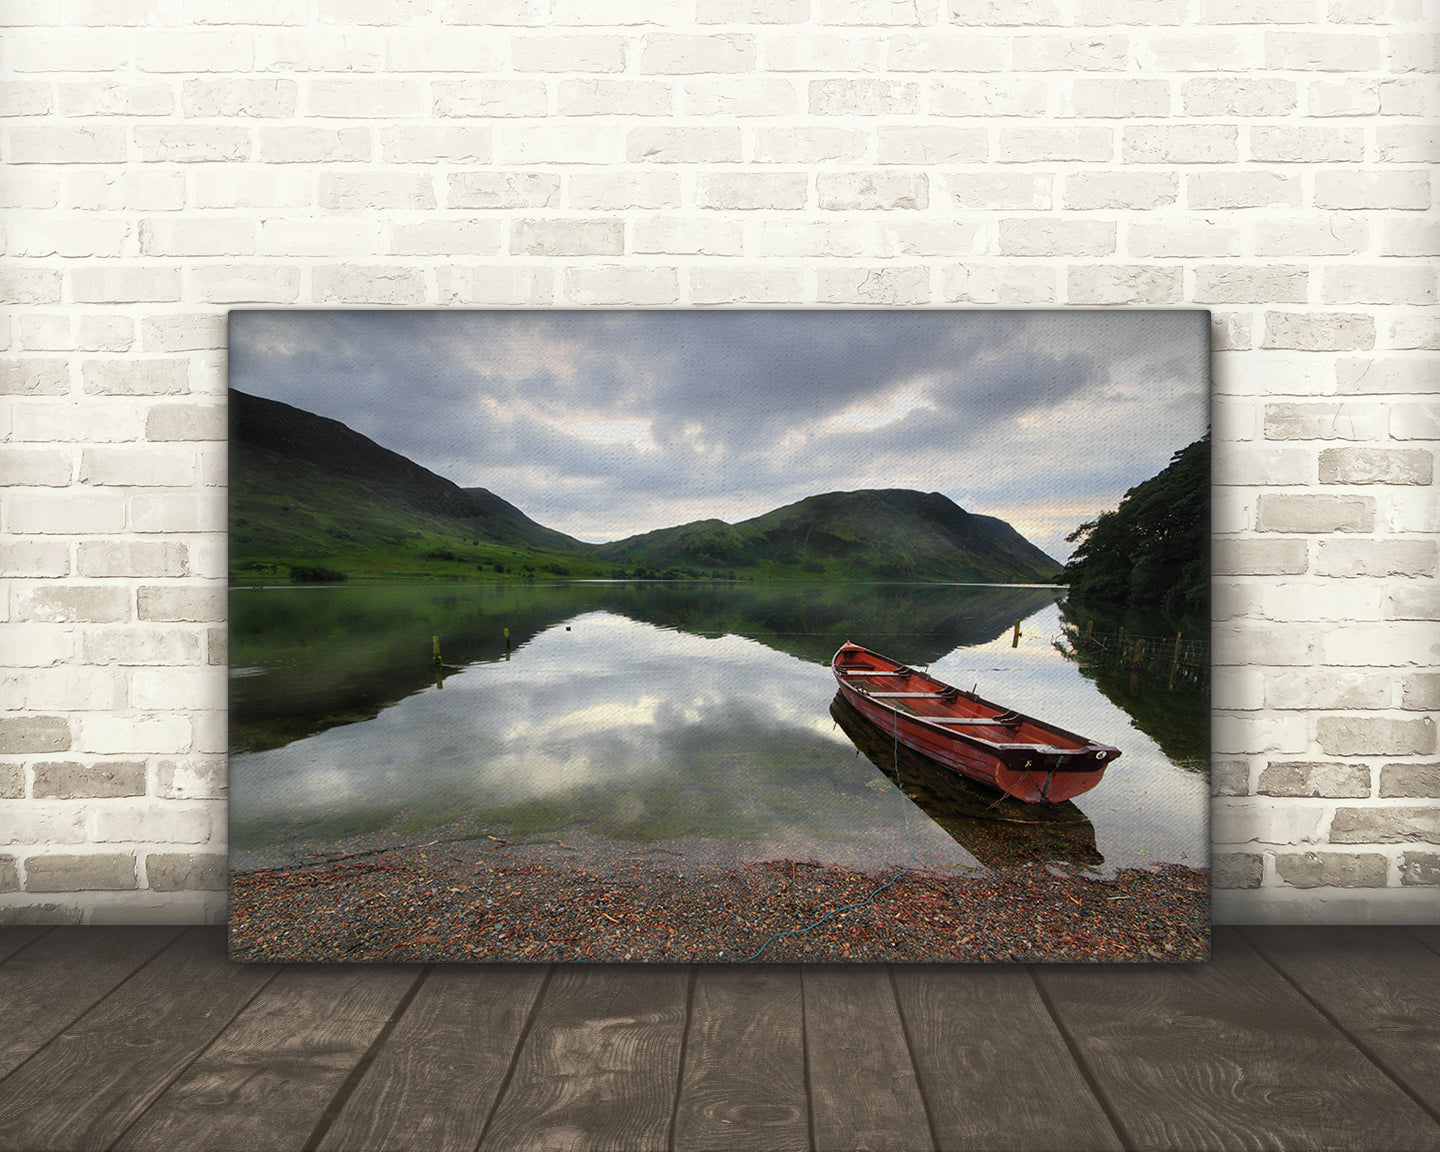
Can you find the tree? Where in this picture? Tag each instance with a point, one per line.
(1153, 551)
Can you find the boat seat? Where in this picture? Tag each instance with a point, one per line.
(910, 695)
(994, 721)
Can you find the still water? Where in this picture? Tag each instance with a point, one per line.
(694, 719)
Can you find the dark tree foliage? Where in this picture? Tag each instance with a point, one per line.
(1153, 552)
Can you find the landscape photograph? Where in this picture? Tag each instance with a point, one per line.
(723, 636)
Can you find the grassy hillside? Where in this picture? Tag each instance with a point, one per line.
(886, 534)
(313, 500)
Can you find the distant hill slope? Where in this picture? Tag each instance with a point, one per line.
(307, 490)
(889, 533)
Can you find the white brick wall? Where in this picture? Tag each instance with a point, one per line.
(1271, 160)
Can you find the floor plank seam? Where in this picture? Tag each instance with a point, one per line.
(520, 1042)
(694, 976)
(200, 1052)
(98, 1001)
(1424, 943)
(27, 944)
(352, 1081)
(914, 1063)
(1122, 1134)
(1358, 1044)
(805, 1077)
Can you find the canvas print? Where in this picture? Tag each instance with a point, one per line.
(728, 636)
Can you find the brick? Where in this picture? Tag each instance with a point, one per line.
(306, 144)
(354, 284)
(1383, 558)
(1282, 512)
(234, 96)
(752, 190)
(687, 236)
(1409, 236)
(1325, 421)
(254, 186)
(169, 422)
(36, 237)
(988, 97)
(1121, 284)
(1297, 144)
(34, 558)
(553, 237)
(136, 646)
(181, 603)
(70, 144)
(1260, 557)
(1092, 52)
(1230, 778)
(1027, 145)
(29, 285)
(1267, 284)
(192, 778)
(1376, 466)
(1197, 51)
(621, 284)
(1266, 821)
(872, 191)
(1332, 869)
(1380, 645)
(1012, 191)
(1375, 736)
(1372, 190)
(873, 12)
(22, 734)
(135, 377)
(1048, 236)
(593, 97)
(1311, 778)
(873, 285)
(191, 50)
(916, 237)
(684, 145)
(25, 98)
(557, 53)
(1346, 97)
(368, 191)
(424, 144)
(1389, 283)
(1414, 421)
(739, 97)
(9, 875)
(1107, 98)
(674, 54)
(495, 11)
(35, 467)
(342, 50)
(186, 871)
(1236, 870)
(1398, 825)
(1417, 781)
(1180, 144)
(1238, 96)
(1334, 688)
(495, 285)
(446, 238)
(1408, 144)
(1322, 52)
(72, 780)
(745, 286)
(624, 189)
(1242, 189)
(752, 11)
(1420, 868)
(92, 872)
(1005, 13)
(1259, 644)
(1189, 238)
(192, 143)
(1420, 691)
(807, 145)
(503, 190)
(67, 513)
(1310, 236)
(864, 96)
(815, 51)
(132, 285)
(35, 645)
(931, 144)
(489, 98)
(34, 376)
(366, 97)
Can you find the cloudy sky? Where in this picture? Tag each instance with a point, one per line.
(603, 424)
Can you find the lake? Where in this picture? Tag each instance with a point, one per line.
(690, 718)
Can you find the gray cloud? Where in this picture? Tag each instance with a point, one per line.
(603, 424)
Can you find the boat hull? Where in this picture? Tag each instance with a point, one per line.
(1018, 755)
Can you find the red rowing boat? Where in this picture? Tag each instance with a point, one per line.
(1027, 758)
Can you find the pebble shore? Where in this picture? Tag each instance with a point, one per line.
(463, 902)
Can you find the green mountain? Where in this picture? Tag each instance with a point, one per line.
(311, 499)
(883, 534)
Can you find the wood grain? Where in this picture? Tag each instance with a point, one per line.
(49, 985)
(15, 937)
(268, 1079)
(599, 1067)
(1427, 934)
(88, 1085)
(863, 1088)
(1382, 986)
(437, 1078)
(1227, 1055)
(992, 1065)
(744, 1075)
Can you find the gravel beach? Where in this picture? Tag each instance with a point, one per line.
(484, 901)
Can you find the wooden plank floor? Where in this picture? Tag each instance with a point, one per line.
(1291, 1038)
